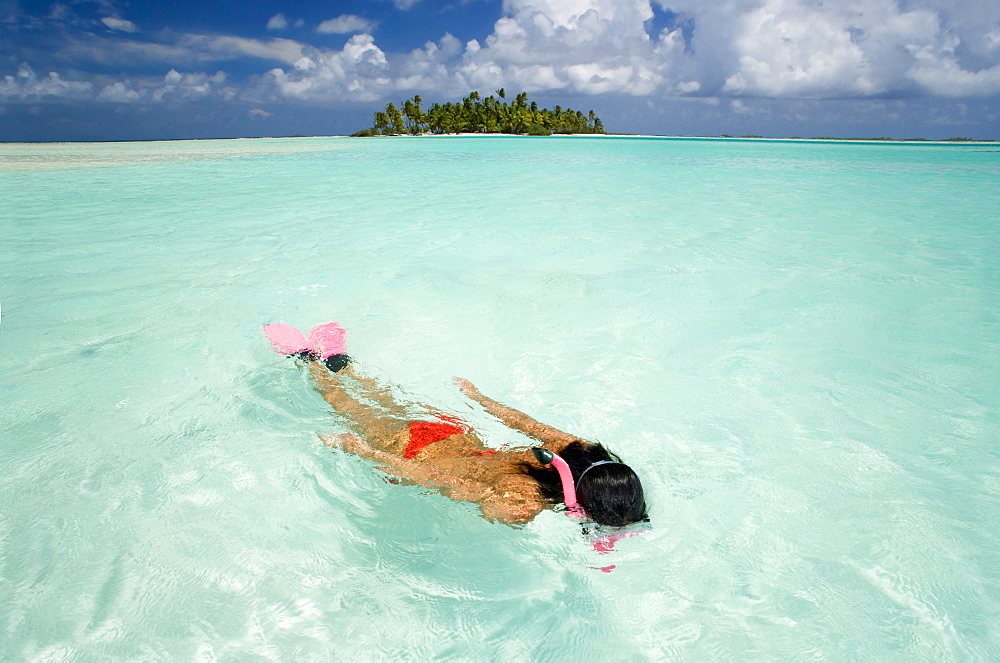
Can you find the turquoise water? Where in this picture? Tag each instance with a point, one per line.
(797, 345)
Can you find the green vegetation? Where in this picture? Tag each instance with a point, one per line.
(477, 115)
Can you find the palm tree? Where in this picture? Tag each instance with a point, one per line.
(408, 113)
(419, 113)
(395, 118)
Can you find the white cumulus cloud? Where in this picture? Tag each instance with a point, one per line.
(227, 47)
(583, 46)
(358, 71)
(119, 24)
(174, 85)
(181, 50)
(281, 22)
(427, 68)
(345, 24)
(187, 86)
(25, 85)
(854, 48)
(788, 53)
(121, 92)
(277, 22)
(941, 74)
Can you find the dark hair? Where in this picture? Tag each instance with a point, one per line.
(611, 494)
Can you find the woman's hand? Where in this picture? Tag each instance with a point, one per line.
(468, 389)
(349, 442)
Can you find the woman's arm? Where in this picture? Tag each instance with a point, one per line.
(555, 438)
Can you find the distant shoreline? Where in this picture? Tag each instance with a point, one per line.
(915, 141)
(879, 141)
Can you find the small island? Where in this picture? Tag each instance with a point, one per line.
(492, 115)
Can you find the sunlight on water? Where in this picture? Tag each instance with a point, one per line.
(796, 344)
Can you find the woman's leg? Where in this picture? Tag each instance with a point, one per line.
(380, 393)
(385, 426)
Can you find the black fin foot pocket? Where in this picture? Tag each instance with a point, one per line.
(337, 363)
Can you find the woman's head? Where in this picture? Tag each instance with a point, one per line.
(607, 489)
(611, 494)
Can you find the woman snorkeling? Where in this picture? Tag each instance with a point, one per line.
(445, 453)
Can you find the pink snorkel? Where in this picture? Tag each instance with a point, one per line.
(546, 457)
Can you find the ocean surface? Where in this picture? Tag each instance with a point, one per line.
(796, 344)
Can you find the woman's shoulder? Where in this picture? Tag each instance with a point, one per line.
(515, 483)
(514, 498)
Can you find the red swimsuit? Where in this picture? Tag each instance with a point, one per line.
(423, 433)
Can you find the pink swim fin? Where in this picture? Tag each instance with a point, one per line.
(328, 340)
(286, 339)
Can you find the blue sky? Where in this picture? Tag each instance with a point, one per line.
(112, 69)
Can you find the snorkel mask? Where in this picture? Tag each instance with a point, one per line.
(602, 538)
